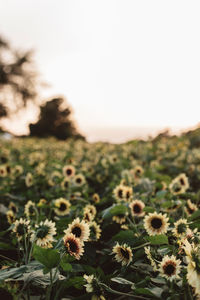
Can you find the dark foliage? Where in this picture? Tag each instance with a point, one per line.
(54, 121)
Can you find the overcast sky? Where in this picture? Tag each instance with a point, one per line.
(121, 64)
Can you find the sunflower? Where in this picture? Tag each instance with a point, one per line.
(62, 207)
(91, 209)
(150, 258)
(170, 267)
(190, 207)
(73, 245)
(136, 207)
(42, 202)
(137, 172)
(155, 223)
(29, 209)
(95, 231)
(69, 171)
(21, 228)
(80, 229)
(183, 180)
(128, 193)
(65, 183)
(193, 267)
(43, 235)
(3, 171)
(118, 192)
(29, 179)
(180, 228)
(79, 180)
(54, 177)
(87, 216)
(13, 207)
(10, 216)
(18, 170)
(96, 198)
(123, 254)
(119, 219)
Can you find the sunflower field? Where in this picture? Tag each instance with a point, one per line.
(100, 221)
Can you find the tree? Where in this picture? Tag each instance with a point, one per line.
(55, 121)
(18, 80)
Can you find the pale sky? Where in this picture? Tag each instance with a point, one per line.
(123, 65)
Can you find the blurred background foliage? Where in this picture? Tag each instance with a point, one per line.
(19, 85)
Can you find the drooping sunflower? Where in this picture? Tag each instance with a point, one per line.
(155, 223)
(95, 231)
(73, 245)
(96, 198)
(190, 207)
(54, 178)
(43, 235)
(128, 193)
(183, 179)
(119, 219)
(29, 209)
(21, 228)
(193, 267)
(170, 267)
(136, 207)
(13, 207)
(10, 216)
(80, 229)
(29, 179)
(62, 207)
(180, 228)
(69, 171)
(123, 254)
(65, 183)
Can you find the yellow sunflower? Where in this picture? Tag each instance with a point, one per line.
(29, 179)
(80, 229)
(123, 254)
(29, 209)
(62, 207)
(21, 228)
(43, 235)
(170, 267)
(69, 171)
(73, 245)
(155, 223)
(136, 207)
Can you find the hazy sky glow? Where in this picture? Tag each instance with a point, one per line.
(121, 64)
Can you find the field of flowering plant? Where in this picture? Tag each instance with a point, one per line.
(100, 221)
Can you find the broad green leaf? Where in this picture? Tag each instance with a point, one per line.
(159, 239)
(48, 257)
(122, 280)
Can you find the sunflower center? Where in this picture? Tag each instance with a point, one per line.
(78, 180)
(62, 206)
(169, 269)
(31, 210)
(120, 193)
(137, 208)
(68, 171)
(182, 182)
(181, 228)
(124, 253)
(42, 231)
(156, 223)
(76, 231)
(73, 246)
(20, 229)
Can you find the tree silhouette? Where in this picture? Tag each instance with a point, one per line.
(54, 121)
(18, 80)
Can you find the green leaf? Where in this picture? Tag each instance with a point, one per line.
(149, 209)
(66, 266)
(114, 210)
(48, 257)
(159, 239)
(195, 215)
